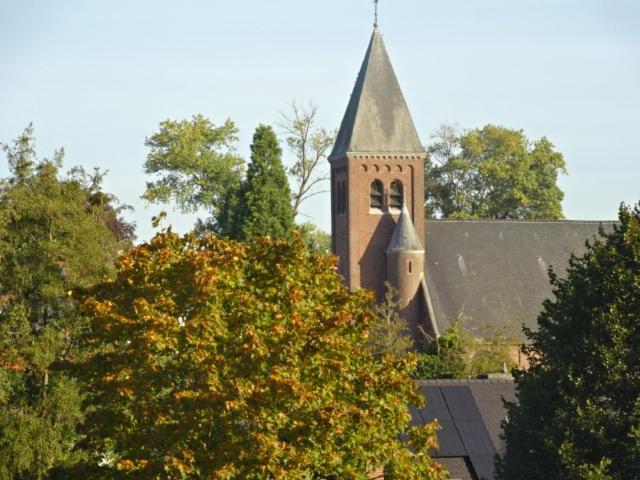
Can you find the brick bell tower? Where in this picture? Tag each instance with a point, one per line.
(377, 165)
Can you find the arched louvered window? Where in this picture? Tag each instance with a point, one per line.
(338, 199)
(344, 197)
(376, 194)
(395, 194)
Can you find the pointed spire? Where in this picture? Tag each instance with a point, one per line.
(375, 21)
(377, 118)
(405, 237)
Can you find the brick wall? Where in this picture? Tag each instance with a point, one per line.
(361, 234)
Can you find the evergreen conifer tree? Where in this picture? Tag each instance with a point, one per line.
(264, 200)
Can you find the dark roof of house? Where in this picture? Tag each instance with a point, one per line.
(404, 238)
(470, 413)
(377, 117)
(493, 275)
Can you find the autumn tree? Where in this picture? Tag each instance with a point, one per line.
(262, 204)
(194, 164)
(578, 409)
(492, 173)
(225, 360)
(310, 145)
(56, 232)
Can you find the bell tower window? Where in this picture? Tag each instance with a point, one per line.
(376, 194)
(396, 194)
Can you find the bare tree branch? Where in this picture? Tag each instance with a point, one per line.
(310, 144)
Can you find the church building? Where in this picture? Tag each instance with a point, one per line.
(489, 275)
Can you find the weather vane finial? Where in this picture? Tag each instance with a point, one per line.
(375, 22)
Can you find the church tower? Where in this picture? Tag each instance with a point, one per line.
(377, 169)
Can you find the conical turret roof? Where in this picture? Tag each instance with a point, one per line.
(377, 117)
(405, 237)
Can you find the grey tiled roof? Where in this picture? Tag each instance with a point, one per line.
(493, 274)
(377, 117)
(470, 413)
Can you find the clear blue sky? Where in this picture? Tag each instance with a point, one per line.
(98, 77)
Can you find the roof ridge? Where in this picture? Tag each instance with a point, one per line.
(515, 220)
(461, 381)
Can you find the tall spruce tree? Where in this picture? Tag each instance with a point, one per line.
(56, 233)
(578, 411)
(262, 207)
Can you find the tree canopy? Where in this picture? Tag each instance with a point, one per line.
(194, 162)
(262, 204)
(56, 232)
(578, 410)
(459, 354)
(218, 359)
(492, 173)
(195, 166)
(317, 240)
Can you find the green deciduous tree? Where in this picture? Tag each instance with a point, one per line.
(262, 205)
(226, 360)
(493, 172)
(195, 163)
(56, 233)
(578, 411)
(317, 240)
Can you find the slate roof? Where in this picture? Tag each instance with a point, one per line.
(493, 274)
(404, 238)
(470, 413)
(377, 117)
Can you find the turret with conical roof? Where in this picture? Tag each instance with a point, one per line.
(405, 272)
(377, 161)
(404, 238)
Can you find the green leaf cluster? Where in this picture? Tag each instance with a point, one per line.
(222, 360)
(492, 173)
(317, 240)
(458, 354)
(578, 411)
(194, 162)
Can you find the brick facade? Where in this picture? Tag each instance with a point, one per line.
(361, 233)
